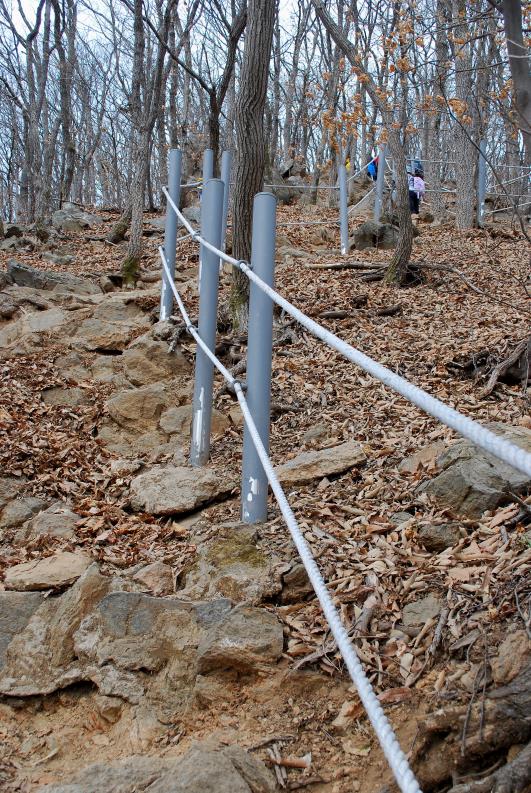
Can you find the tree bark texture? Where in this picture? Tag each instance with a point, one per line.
(466, 153)
(250, 158)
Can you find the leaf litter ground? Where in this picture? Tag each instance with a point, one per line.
(374, 567)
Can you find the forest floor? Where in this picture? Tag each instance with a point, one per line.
(444, 335)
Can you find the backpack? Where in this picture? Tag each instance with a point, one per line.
(418, 166)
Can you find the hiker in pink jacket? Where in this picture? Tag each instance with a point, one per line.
(417, 188)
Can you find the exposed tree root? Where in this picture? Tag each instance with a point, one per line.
(511, 778)
(460, 741)
(516, 364)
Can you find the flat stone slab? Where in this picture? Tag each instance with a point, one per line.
(101, 334)
(418, 612)
(52, 572)
(205, 768)
(24, 275)
(316, 465)
(170, 490)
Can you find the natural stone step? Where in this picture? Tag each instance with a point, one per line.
(316, 465)
(170, 490)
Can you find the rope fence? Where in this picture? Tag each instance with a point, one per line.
(257, 469)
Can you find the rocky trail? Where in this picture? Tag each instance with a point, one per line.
(151, 642)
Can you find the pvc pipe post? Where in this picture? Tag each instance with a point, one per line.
(211, 214)
(170, 231)
(259, 352)
(343, 209)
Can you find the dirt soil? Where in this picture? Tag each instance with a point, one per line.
(319, 400)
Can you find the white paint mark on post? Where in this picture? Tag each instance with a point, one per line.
(211, 215)
(254, 479)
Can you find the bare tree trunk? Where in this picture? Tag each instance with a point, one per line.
(466, 154)
(519, 65)
(66, 20)
(249, 171)
(140, 149)
(398, 266)
(433, 169)
(131, 263)
(275, 108)
(302, 22)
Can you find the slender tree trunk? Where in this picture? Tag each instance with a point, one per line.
(466, 154)
(133, 256)
(512, 11)
(249, 171)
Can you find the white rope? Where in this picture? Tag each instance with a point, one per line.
(481, 436)
(505, 450)
(302, 186)
(352, 208)
(388, 741)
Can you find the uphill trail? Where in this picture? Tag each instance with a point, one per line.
(139, 617)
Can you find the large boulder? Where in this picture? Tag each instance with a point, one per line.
(246, 638)
(24, 275)
(72, 218)
(374, 235)
(149, 651)
(150, 361)
(16, 512)
(171, 490)
(10, 487)
(56, 521)
(316, 465)
(8, 307)
(193, 214)
(98, 334)
(206, 768)
(23, 333)
(139, 409)
(116, 321)
(41, 658)
(472, 481)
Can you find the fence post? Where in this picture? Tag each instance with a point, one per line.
(380, 182)
(211, 211)
(343, 209)
(259, 349)
(208, 165)
(226, 164)
(170, 231)
(482, 182)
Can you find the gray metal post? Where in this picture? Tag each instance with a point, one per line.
(211, 212)
(380, 182)
(170, 231)
(226, 165)
(343, 209)
(482, 182)
(208, 165)
(259, 349)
